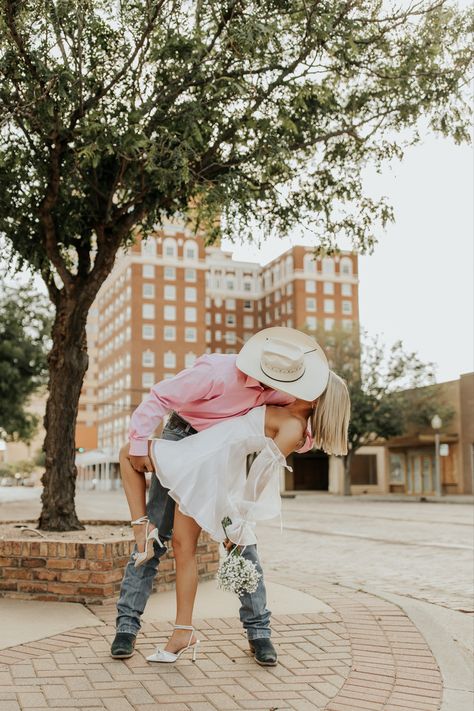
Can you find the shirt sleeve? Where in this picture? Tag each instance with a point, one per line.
(196, 383)
(309, 443)
(261, 496)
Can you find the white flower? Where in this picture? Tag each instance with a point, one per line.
(237, 574)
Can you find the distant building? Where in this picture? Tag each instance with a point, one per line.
(410, 459)
(407, 464)
(170, 299)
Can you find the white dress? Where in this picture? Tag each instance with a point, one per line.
(206, 475)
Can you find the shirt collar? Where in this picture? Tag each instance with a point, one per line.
(252, 383)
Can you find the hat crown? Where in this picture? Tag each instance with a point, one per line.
(282, 360)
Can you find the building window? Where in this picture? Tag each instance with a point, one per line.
(170, 292)
(230, 304)
(230, 337)
(217, 335)
(345, 266)
(247, 286)
(169, 333)
(248, 306)
(230, 350)
(170, 273)
(230, 283)
(190, 334)
(230, 320)
(346, 324)
(289, 322)
(148, 311)
(329, 306)
(311, 323)
(309, 265)
(169, 359)
(247, 335)
(347, 307)
(248, 322)
(169, 313)
(189, 359)
(328, 265)
(170, 247)
(329, 287)
(147, 380)
(148, 291)
(346, 289)
(208, 318)
(190, 293)
(148, 332)
(310, 304)
(189, 275)
(218, 302)
(289, 289)
(149, 247)
(167, 376)
(148, 271)
(310, 286)
(217, 318)
(328, 324)
(208, 336)
(190, 249)
(148, 359)
(190, 314)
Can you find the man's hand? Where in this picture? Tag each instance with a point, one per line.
(141, 464)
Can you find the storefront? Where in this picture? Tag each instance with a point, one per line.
(412, 466)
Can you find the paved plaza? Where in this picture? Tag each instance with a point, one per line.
(372, 611)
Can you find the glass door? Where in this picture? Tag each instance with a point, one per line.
(421, 474)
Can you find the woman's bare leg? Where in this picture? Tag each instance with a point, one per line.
(134, 485)
(185, 537)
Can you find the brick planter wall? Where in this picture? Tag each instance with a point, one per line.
(83, 572)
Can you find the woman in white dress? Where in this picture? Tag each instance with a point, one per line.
(206, 473)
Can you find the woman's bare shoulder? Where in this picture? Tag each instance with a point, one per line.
(279, 418)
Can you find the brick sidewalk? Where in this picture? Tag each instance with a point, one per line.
(366, 655)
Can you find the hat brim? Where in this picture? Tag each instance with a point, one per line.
(310, 385)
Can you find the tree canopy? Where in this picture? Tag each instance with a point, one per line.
(25, 324)
(263, 112)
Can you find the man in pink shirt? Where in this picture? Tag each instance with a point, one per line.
(213, 390)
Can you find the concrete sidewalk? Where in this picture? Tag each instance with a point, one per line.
(339, 650)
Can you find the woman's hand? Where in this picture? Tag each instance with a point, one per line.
(228, 545)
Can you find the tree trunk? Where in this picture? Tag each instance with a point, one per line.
(68, 363)
(347, 474)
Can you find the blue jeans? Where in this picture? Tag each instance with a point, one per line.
(137, 583)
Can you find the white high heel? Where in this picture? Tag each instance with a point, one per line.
(162, 655)
(141, 557)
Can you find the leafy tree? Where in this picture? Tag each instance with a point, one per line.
(386, 387)
(25, 324)
(261, 113)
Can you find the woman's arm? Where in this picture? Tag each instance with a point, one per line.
(290, 435)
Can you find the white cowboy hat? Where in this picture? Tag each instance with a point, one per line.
(286, 360)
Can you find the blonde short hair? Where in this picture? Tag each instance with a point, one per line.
(330, 421)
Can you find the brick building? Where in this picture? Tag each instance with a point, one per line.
(169, 299)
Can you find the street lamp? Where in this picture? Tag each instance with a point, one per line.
(436, 423)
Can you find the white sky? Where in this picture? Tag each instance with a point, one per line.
(418, 284)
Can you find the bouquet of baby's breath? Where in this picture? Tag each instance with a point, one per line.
(237, 574)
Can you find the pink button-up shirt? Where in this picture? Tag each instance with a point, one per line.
(214, 389)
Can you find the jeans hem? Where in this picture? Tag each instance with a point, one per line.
(127, 630)
(259, 636)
